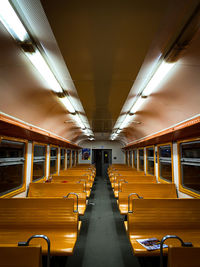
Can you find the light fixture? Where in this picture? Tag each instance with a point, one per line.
(137, 105)
(40, 64)
(126, 121)
(79, 121)
(11, 21)
(158, 76)
(65, 101)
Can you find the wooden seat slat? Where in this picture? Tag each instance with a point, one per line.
(157, 218)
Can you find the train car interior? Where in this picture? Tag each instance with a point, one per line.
(100, 133)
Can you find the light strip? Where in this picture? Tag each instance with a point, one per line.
(161, 72)
(139, 102)
(65, 101)
(125, 122)
(78, 119)
(11, 21)
(40, 64)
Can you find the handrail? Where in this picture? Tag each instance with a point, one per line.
(183, 244)
(26, 243)
(72, 193)
(129, 196)
(119, 183)
(84, 183)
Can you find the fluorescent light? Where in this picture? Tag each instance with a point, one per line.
(40, 64)
(125, 122)
(65, 101)
(11, 21)
(78, 119)
(137, 105)
(161, 72)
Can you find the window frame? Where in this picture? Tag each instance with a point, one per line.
(182, 189)
(147, 160)
(23, 187)
(64, 158)
(56, 173)
(161, 180)
(138, 155)
(45, 176)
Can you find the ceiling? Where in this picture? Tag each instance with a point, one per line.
(102, 52)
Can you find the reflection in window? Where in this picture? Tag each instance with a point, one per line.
(68, 158)
(135, 158)
(165, 163)
(39, 162)
(141, 159)
(150, 160)
(12, 158)
(62, 158)
(190, 165)
(53, 160)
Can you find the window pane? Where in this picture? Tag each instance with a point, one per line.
(191, 177)
(130, 158)
(150, 160)
(12, 156)
(62, 159)
(135, 158)
(190, 150)
(141, 159)
(39, 162)
(166, 171)
(68, 158)
(53, 160)
(165, 151)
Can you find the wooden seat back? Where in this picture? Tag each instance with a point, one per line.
(21, 218)
(42, 190)
(26, 256)
(118, 175)
(146, 191)
(183, 256)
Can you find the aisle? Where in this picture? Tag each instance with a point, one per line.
(102, 241)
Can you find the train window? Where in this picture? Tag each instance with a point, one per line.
(62, 158)
(39, 162)
(141, 159)
(135, 158)
(165, 163)
(130, 158)
(53, 160)
(68, 158)
(12, 166)
(189, 162)
(150, 160)
(73, 158)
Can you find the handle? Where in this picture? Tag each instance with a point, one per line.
(84, 183)
(129, 198)
(26, 243)
(119, 184)
(72, 193)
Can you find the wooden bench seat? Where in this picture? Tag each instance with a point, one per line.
(90, 175)
(74, 179)
(117, 186)
(160, 217)
(122, 175)
(21, 218)
(146, 191)
(45, 190)
(14, 256)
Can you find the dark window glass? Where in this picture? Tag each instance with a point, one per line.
(73, 158)
(141, 159)
(130, 158)
(135, 158)
(12, 158)
(165, 163)
(150, 160)
(62, 159)
(39, 162)
(105, 156)
(68, 158)
(53, 160)
(190, 165)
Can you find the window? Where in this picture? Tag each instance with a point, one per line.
(165, 163)
(73, 158)
(130, 158)
(62, 159)
(53, 160)
(135, 158)
(12, 166)
(39, 162)
(141, 159)
(68, 158)
(150, 160)
(189, 163)
(126, 157)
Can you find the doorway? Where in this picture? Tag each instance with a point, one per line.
(102, 158)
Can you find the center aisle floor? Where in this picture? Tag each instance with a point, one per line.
(102, 241)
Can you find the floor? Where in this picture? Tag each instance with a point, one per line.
(102, 241)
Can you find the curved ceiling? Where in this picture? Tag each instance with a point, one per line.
(101, 52)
